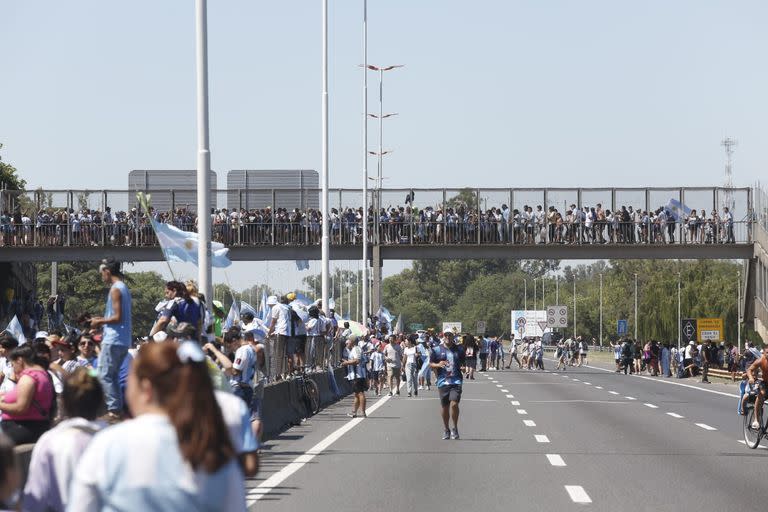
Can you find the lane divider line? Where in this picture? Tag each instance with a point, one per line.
(254, 494)
(515, 402)
(613, 392)
(556, 460)
(522, 412)
(705, 426)
(630, 398)
(759, 446)
(505, 391)
(541, 438)
(529, 423)
(598, 387)
(651, 406)
(578, 494)
(510, 396)
(588, 383)
(675, 415)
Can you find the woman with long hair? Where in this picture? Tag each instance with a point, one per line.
(28, 408)
(176, 454)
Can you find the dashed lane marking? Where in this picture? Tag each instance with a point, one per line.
(555, 460)
(578, 494)
(630, 398)
(613, 392)
(651, 406)
(515, 402)
(510, 396)
(705, 426)
(522, 412)
(588, 383)
(675, 415)
(505, 391)
(759, 446)
(598, 387)
(541, 438)
(529, 423)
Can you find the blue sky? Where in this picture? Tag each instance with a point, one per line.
(494, 93)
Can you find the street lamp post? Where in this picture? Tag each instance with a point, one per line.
(574, 307)
(325, 243)
(525, 294)
(600, 340)
(738, 308)
(679, 318)
(635, 307)
(204, 275)
(365, 156)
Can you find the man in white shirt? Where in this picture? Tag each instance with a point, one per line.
(352, 359)
(393, 355)
(281, 325)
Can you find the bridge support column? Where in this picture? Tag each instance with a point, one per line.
(376, 262)
(54, 278)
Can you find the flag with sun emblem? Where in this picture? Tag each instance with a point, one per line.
(181, 245)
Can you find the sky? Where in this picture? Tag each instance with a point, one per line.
(501, 93)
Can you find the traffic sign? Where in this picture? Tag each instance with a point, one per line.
(452, 326)
(710, 329)
(689, 329)
(543, 325)
(622, 326)
(557, 316)
(416, 327)
(480, 327)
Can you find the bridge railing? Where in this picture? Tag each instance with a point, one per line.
(429, 216)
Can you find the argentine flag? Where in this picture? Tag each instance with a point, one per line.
(247, 308)
(181, 245)
(233, 318)
(14, 328)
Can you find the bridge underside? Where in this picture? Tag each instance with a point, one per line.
(399, 252)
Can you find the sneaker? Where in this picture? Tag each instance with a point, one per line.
(430, 387)
(409, 394)
(416, 393)
(446, 435)
(455, 433)
(389, 394)
(421, 387)
(398, 392)
(351, 415)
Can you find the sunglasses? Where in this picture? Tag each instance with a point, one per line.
(86, 343)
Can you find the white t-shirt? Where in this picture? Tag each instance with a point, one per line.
(282, 314)
(314, 327)
(410, 355)
(7, 370)
(355, 371)
(245, 363)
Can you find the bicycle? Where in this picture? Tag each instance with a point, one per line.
(753, 436)
(309, 394)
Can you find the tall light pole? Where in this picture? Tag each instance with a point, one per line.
(557, 290)
(738, 308)
(635, 306)
(365, 155)
(679, 311)
(203, 152)
(525, 294)
(574, 307)
(600, 340)
(325, 247)
(535, 297)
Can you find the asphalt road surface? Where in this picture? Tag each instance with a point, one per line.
(584, 439)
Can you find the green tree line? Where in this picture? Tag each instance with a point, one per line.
(432, 292)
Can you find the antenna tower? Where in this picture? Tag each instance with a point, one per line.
(729, 144)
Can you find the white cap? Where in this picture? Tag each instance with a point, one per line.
(271, 300)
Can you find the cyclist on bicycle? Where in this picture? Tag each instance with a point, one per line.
(762, 365)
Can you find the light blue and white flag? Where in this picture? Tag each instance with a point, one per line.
(399, 328)
(247, 308)
(384, 315)
(233, 318)
(302, 265)
(677, 209)
(263, 309)
(258, 329)
(181, 245)
(14, 328)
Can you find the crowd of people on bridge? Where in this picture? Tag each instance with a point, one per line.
(453, 224)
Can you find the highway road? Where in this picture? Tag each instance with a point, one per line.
(587, 438)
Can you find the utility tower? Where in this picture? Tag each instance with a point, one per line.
(729, 144)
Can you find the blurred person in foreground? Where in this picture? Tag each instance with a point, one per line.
(10, 474)
(56, 453)
(175, 455)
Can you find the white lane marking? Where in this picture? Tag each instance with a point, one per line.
(578, 401)
(515, 402)
(578, 494)
(495, 381)
(510, 396)
(598, 387)
(675, 415)
(522, 412)
(651, 406)
(256, 493)
(529, 423)
(673, 383)
(759, 446)
(555, 460)
(499, 385)
(630, 398)
(705, 426)
(505, 391)
(541, 438)
(588, 383)
(576, 380)
(613, 392)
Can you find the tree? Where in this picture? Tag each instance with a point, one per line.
(9, 178)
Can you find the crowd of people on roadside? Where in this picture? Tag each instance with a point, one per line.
(409, 224)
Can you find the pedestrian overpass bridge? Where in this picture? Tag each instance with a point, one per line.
(468, 223)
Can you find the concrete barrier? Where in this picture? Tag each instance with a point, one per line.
(283, 406)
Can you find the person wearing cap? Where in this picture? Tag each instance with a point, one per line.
(67, 362)
(116, 332)
(447, 359)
